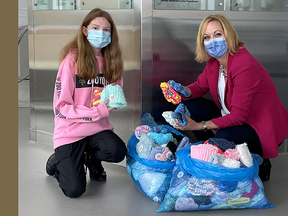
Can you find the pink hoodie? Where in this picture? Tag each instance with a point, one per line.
(75, 116)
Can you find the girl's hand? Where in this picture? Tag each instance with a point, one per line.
(109, 108)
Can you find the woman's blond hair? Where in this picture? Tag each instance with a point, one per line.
(87, 66)
(231, 37)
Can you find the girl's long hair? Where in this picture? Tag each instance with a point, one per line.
(87, 66)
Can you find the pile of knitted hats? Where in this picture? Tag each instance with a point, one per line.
(223, 152)
(156, 143)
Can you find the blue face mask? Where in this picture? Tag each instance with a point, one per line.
(99, 39)
(216, 47)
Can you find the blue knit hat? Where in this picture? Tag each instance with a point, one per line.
(179, 112)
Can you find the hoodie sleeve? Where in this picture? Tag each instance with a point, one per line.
(64, 103)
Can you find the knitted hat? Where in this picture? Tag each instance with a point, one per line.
(202, 151)
(141, 129)
(160, 138)
(245, 156)
(169, 93)
(179, 112)
(155, 152)
(115, 94)
(178, 88)
(144, 146)
(96, 96)
(221, 143)
(169, 117)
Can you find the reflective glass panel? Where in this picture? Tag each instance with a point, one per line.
(215, 5)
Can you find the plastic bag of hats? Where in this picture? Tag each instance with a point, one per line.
(151, 157)
(215, 174)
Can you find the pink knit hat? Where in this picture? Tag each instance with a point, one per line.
(203, 151)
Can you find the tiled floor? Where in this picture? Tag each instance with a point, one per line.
(39, 194)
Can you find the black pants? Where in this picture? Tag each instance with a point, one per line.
(202, 109)
(70, 174)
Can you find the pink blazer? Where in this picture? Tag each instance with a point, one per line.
(250, 96)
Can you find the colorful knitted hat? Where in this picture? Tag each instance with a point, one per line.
(221, 143)
(203, 151)
(179, 112)
(169, 117)
(169, 93)
(96, 96)
(115, 94)
(141, 129)
(178, 88)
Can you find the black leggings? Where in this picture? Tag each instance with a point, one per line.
(70, 174)
(202, 109)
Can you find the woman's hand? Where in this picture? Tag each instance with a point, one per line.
(188, 90)
(191, 124)
(109, 108)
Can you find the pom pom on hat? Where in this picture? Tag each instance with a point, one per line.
(170, 94)
(116, 96)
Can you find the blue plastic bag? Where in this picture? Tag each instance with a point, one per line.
(199, 185)
(152, 178)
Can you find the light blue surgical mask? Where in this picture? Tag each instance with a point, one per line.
(98, 38)
(216, 47)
